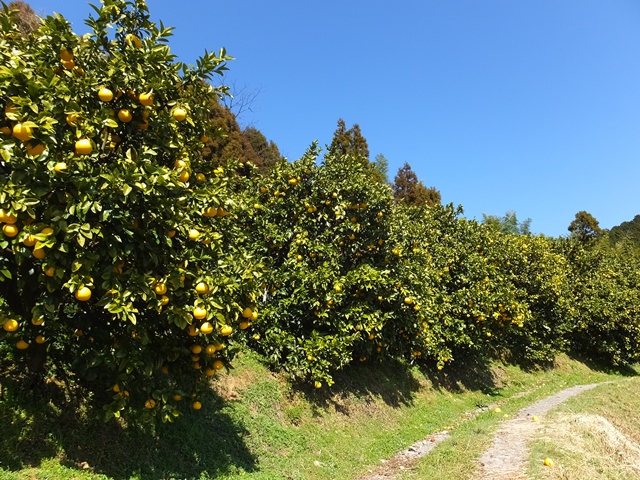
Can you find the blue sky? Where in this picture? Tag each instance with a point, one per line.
(532, 106)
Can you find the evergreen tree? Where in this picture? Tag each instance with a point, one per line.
(411, 191)
(229, 143)
(267, 150)
(349, 141)
(585, 227)
(381, 164)
(627, 231)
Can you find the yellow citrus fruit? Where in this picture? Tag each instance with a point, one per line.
(548, 462)
(35, 150)
(143, 126)
(146, 99)
(254, 315)
(210, 212)
(184, 176)
(193, 234)
(69, 64)
(179, 114)
(196, 349)
(218, 365)
(125, 116)
(10, 110)
(164, 300)
(131, 39)
(160, 288)
(171, 233)
(83, 146)
(196, 405)
(50, 272)
(29, 241)
(39, 253)
(211, 349)
(226, 330)
(105, 94)
(200, 177)
(60, 167)
(246, 313)
(46, 231)
(204, 139)
(206, 328)
(199, 313)
(22, 132)
(317, 384)
(72, 119)
(292, 181)
(7, 217)
(244, 325)
(10, 230)
(151, 403)
(209, 372)
(37, 321)
(83, 294)
(177, 398)
(5, 130)
(22, 345)
(408, 300)
(66, 55)
(193, 331)
(40, 339)
(10, 325)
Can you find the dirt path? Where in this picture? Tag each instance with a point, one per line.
(507, 457)
(505, 460)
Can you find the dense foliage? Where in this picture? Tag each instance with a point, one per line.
(122, 263)
(136, 254)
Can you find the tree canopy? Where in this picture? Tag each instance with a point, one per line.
(585, 227)
(409, 190)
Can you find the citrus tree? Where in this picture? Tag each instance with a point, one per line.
(605, 300)
(324, 243)
(122, 265)
(449, 264)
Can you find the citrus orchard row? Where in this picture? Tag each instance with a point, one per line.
(135, 270)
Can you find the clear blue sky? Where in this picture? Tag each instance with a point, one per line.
(532, 106)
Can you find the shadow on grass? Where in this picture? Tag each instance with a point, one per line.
(469, 372)
(601, 365)
(392, 382)
(38, 423)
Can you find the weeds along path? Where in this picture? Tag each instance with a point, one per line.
(507, 457)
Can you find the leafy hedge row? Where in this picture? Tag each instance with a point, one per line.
(351, 276)
(133, 269)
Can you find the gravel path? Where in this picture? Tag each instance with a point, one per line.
(508, 455)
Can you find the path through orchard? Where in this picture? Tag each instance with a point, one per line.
(505, 459)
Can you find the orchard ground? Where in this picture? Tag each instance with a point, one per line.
(256, 424)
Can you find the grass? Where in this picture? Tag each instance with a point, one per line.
(257, 425)
(456, 458)
(595, 435)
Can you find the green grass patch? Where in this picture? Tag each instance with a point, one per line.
(595, 435)
(457, 457)
(256, 424)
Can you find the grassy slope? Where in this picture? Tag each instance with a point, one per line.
(582, 436)
(256, 425)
